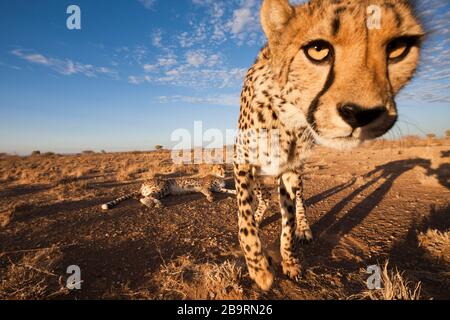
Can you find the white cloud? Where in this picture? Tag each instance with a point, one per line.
(214, 60)
(167, 61)
(35, 58)
(244, 25)
(224, 20)
(220, 100)
(150, 67)
(138, 79)
(241, 18)
(134, 55)
(195, 58)
(134, 80)
(157, 38)
(195, 77)
(197, 37)
(148, 4)
(65, 67)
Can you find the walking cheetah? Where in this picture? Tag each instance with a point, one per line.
(153, 190)
(328, 76)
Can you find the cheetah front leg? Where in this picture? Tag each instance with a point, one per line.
(207, 193)
(263, 200)
(225, 190)
(287, 192)
(258, 265)
(151, 202)
(303, 232)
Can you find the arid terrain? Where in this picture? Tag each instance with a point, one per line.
(383, 202)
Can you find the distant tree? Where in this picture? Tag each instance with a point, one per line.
(447, 134)
(431, 136)
(103, 151)
(36, 153)
(48, 154)
(158, 147)
(88, 152)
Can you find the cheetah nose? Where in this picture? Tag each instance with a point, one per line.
(357, 116)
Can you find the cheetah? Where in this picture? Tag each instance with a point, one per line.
(327, 76)
(153, 190)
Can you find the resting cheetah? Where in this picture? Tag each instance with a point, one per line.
(153, 190)
(328, 76)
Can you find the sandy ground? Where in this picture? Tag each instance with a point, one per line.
(385, 201)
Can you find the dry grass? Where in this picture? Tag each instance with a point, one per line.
(184, 279)
(394, 287)
(436, 244)
(32, 277)
(425, 178)
(5, 217)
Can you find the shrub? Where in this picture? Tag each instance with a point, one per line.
(48, 154)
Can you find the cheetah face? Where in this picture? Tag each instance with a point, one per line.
(146, 190)
(343, 65)
(218, 170)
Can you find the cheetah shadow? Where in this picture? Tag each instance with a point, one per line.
(386, 174)
(409, 255)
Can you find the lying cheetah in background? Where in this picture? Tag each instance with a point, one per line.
(328, 77)
(153, 190)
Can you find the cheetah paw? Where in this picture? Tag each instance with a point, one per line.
(304, 236)
(264, 279)
(147, 202)
(263, 276)
(292, 268)
(150, 203)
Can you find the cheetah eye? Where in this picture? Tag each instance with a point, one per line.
(399, 48)
(318, 51)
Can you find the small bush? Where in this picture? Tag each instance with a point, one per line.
(33, 276)
(48, 154)
(395, 287)
(36, 153)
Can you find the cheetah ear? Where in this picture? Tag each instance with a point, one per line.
(275, 14)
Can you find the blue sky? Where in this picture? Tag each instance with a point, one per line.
(140, 69)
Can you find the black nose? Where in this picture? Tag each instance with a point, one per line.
(357, 116)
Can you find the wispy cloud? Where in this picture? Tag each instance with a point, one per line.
(157, 38)
(148, 4)
(65, 67)
(432, 83)
(244, 25)
(193, 68)
(237, 20)
(220, 100)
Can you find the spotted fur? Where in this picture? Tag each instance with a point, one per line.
(296, 103)
(153, 190)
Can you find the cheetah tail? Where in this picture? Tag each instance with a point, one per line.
(112, 204)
